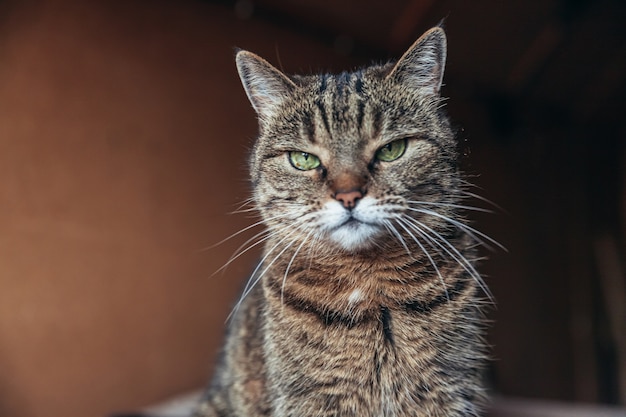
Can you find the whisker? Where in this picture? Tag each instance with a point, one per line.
(313, 250)
(483, 199)
(282, 289)
(245, 229)
(450, 205)
(430, 259)
(254, 277)
(243, 211)
(269, 265)
(467, 229)
(240, 209)
(239, 252)
(296, 227)
(452, 251)
(394, 231)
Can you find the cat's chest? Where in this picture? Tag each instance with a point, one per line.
(382, 366)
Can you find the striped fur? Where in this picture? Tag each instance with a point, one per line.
(367, 310)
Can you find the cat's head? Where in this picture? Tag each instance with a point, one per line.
(344, 160)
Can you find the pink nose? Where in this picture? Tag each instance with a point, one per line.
(349, 199)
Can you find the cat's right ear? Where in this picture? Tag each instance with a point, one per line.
(266, 87)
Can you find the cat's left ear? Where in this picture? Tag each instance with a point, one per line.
(266, 87)
(422, 66)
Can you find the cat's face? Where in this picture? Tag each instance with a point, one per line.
(345, 160)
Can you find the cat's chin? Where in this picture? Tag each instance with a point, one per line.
(354, 235)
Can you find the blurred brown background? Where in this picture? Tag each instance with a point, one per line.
(123, 141)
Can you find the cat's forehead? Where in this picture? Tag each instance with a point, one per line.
(344, 85)
(348, 113)
(339, 86)
(339, 110)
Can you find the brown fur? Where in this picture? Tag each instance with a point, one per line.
(379, 316)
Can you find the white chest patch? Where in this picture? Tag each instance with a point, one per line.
(356, 296)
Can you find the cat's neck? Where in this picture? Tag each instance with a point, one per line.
(357, 284)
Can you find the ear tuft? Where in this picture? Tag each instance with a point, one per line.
(265, 86)
(422, 65)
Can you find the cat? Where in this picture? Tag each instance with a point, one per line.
(366, 302)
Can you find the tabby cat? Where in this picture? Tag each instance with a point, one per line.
(366, 302)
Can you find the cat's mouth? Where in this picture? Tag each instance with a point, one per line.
(353, 229)
(353, 233)
(353, 222)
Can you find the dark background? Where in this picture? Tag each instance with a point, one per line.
(123, 141)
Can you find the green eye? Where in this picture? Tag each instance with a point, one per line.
(391, 151)
(303, 161)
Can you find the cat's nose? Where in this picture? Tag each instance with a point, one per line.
(349, 199)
